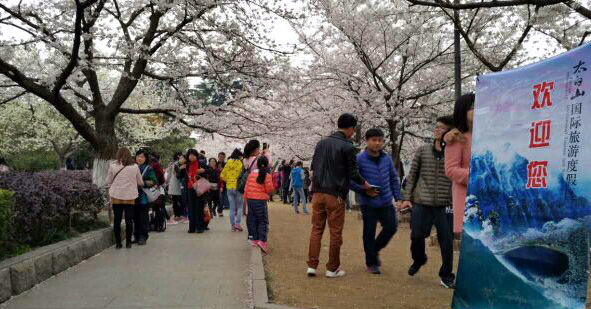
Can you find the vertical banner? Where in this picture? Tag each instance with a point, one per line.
(525, 237)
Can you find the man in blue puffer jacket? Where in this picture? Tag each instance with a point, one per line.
(377, 203)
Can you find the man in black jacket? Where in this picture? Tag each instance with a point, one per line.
(334, 166)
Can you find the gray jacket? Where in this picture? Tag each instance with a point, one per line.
(427, 183)
(172, 182)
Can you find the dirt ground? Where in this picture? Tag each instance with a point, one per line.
(288, 284)
(286, 266)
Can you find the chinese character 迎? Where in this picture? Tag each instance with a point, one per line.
(573, 151)
(571, 179)
(545, 88)
(540, 134)
(579, 67)
(572, 165)
(576, 108)
(575, 137)
(537, 173)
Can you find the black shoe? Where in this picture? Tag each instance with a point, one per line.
(207, 229)
(448, 284)
(191, 232)
(199, 231)
(128, 245)
(373, 270)
(141, 242)
(118, 246)
(415, 267)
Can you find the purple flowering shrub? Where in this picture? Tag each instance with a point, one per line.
(46, 202)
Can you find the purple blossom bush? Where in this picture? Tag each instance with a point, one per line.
(45, 202)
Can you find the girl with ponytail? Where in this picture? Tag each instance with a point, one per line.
(256, 193)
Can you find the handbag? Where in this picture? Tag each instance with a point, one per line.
(243, 178)
(201, 186)
(206, 215)
(153, 193)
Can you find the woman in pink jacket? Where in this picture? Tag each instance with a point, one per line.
(124, 178)
(457, 156)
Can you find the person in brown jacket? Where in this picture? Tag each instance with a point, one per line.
(124, 178)
(428, 193)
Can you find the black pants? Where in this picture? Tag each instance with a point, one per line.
(196, 205)
(141, 221)
(160, 207)
(257, 219)
(422, 220)
(285, 194)
(118, 210)
(213, 202)
(178, 206)
(372, 245)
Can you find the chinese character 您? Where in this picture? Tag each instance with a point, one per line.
(540, 134)
(573, 151)
(545, 88)
(537, 172)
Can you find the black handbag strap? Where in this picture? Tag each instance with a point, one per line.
(115, 177)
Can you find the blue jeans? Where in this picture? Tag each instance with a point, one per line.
(258, 219)
(235, 199)
(298, 195)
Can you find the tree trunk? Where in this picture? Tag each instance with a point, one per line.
(105, 148)
(395, 147)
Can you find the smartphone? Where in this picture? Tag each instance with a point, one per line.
(374, 187)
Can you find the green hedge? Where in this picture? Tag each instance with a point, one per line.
(8, 247)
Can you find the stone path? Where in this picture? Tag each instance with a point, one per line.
(174, 270)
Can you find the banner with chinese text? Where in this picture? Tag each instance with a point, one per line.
(525, 237)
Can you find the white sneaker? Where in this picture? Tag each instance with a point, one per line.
(311, 272)
(335, 274)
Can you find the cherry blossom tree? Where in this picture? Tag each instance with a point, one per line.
(74, 44)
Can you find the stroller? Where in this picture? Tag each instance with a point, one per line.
(158, 216)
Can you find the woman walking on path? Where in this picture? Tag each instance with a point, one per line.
(173, 183)
(256, 193)
(140, 217)
(457, 156)
(124, 178)
(195, 203)
(230, 175)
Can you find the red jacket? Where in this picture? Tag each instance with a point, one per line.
(256, 191)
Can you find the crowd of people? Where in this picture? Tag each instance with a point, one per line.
(201, 189)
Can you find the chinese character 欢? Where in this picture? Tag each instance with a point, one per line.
(572, 165)
(540, 134)
(579, 67)
(571, 179)
(537, 172)
(575, 137)
(573, 151)
(576, 108)
(545, 88)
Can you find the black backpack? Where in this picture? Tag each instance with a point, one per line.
(157, 220)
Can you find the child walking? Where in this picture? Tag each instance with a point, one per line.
(256, 193)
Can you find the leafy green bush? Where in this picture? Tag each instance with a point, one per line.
(8, 247)
(33, 161)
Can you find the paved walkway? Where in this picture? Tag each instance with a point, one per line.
(174, 270)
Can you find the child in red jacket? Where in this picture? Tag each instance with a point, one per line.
(256, 193)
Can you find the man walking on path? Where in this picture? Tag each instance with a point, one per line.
(377, 203)
(334, 166)
(297, 184)
(428, 192)
(286, 170)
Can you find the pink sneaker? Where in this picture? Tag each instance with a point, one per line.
(233, 228)
(264, 247)
(254, 243)
(185, 221)
(171, 222)
(239, 228)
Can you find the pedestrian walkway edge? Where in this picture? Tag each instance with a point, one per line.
(259, 283)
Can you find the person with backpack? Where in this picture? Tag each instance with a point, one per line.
(256, 193)
(230, 174)
(141, 218)
(297, 184)
(124, 179)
